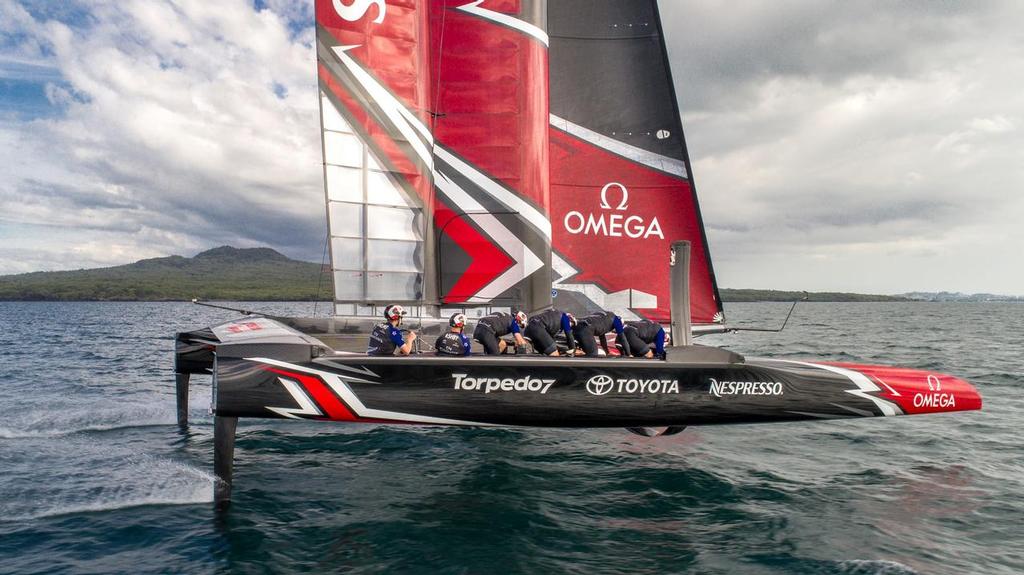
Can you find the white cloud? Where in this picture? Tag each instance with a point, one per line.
(172, 128)
(869, 146)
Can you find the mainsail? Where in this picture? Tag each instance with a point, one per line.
(447, 156)
(434, 118)
(621, 186)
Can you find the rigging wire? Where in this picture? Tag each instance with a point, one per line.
(320, 281)
(434, 115)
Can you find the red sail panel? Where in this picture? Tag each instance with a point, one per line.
(621, 188)
(491, 106)
(446, 101)
(616, 220)
(374, 76)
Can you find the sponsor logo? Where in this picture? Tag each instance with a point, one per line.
(612, 225)
(722, 388)
(936, 398)
(244, 327)
(600, 384)
(358, 8)
(489, 384)
(604, 384)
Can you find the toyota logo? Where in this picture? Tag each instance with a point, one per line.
(600, 384)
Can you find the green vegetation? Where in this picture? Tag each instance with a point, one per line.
(256, 274)
(224, 273)
(750, 295)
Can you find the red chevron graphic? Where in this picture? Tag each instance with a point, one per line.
(488, 261)
(324, 397)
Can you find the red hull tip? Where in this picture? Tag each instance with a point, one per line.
(917, 391)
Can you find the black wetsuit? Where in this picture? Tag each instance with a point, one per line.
(492, 327)
(384, 340)
(640, 335)
(451, 343)
(543, 327)
(596, 325)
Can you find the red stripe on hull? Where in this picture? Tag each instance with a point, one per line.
(332, 406)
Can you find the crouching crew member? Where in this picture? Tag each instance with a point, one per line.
(641, 335)
(386, 337)
(491, 328)
(543, 327)
(597, 325)
(454, 342)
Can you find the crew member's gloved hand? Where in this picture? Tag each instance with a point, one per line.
(520, 349)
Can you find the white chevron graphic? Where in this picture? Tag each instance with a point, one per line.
(864, 385)
(525, 27)
(411, 127)
(339, 385)
(306, 406)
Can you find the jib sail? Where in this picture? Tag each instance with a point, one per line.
(435, 120)
(621, 187)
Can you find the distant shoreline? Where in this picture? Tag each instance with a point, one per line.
(265, 275)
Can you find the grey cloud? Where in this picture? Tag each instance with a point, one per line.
(742, 45)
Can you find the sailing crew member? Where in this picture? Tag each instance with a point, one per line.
(543, 327)
(641, 335)
(454, 342)
(491, 328)
(597, 325)
(386, 337)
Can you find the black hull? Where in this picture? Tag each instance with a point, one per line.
(270, 370)
(267, 368)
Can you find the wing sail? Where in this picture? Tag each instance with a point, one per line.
(621, 187)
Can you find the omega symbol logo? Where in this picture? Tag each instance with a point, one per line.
(599, 385)
(623, 204)
(358, 8)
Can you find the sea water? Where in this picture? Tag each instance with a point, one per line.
(95, 477)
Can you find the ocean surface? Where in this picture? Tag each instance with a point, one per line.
(96, 477)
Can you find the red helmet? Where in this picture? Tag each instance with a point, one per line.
(457, 320)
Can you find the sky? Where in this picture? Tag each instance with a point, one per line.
(854, 146)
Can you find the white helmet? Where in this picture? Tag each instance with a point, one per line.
(521, 318)
(393, 312)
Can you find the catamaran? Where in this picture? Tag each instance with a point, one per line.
(495, 154)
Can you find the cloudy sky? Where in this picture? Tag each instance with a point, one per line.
(860, 146)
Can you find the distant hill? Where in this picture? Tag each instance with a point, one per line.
(224, 273)
(753, 295)
(263, 274)
(961, 297)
